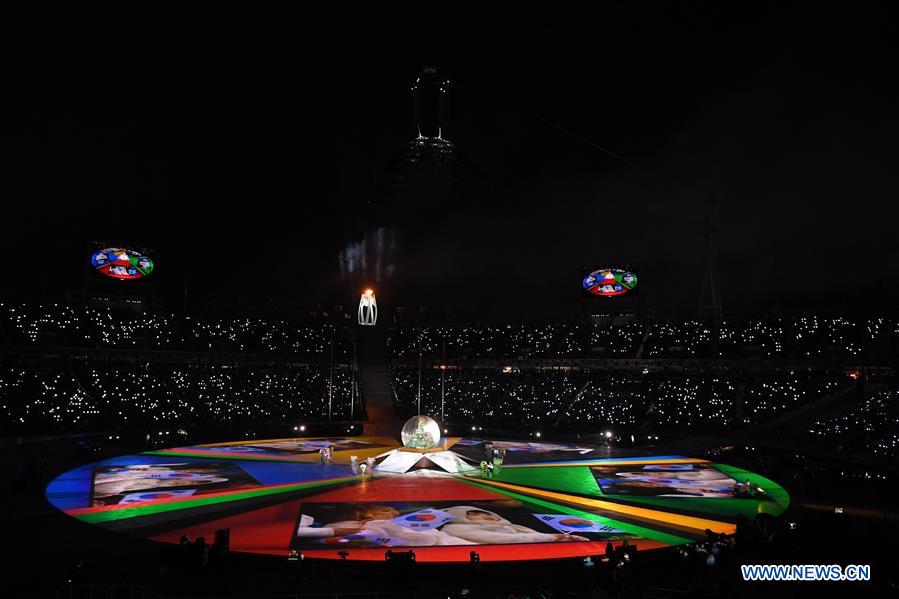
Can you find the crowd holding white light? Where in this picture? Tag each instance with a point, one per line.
(80, 326)
(795, 336)
(872, 426)
(583, 400)
(66, 394)
(591, 396)
(68, 398)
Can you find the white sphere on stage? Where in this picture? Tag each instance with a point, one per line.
(421, 432)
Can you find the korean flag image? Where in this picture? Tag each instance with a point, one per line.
(573, 524)
(426, 519)
(157, 495)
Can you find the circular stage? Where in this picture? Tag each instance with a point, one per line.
(539, 501)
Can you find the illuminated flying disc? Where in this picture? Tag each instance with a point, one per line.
(121, 263)
(609, 282)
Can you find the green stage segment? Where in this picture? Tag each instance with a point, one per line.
(646, 533)
(567, 479)
(776, 503)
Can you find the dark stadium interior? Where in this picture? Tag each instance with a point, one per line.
(647, 249)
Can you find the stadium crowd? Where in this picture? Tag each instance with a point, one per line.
(580, 376)
(67, 397)
(870, 427)
(795, 336)
(594, 401)
(80, 326)
(662, 375)
(584, 399)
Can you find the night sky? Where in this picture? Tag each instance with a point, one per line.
(241, 148)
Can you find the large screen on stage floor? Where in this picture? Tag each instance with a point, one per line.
(441, 523)
(292, 446)
(139, 483)
(664, 480)
(611, 281)
(541, 500)
(121, 263)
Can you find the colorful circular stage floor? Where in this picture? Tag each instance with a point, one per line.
(545, 501)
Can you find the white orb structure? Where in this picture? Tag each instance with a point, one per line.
(421, 432)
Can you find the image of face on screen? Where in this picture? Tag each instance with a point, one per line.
(439, 523)
(519, 452)
(539, 447)
(295, 446)
(154, 482)
(688, 480)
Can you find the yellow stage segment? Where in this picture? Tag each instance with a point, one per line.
(678, 521)
(606, 462)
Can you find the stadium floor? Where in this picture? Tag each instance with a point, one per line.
(545, 501)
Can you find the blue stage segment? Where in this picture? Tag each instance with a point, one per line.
(281, 473)
(71, 490)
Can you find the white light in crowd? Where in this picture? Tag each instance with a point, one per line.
(677, 400)
(538, 434)
(302, 427)
(608, 434)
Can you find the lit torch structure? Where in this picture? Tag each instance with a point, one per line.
(368, 309)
